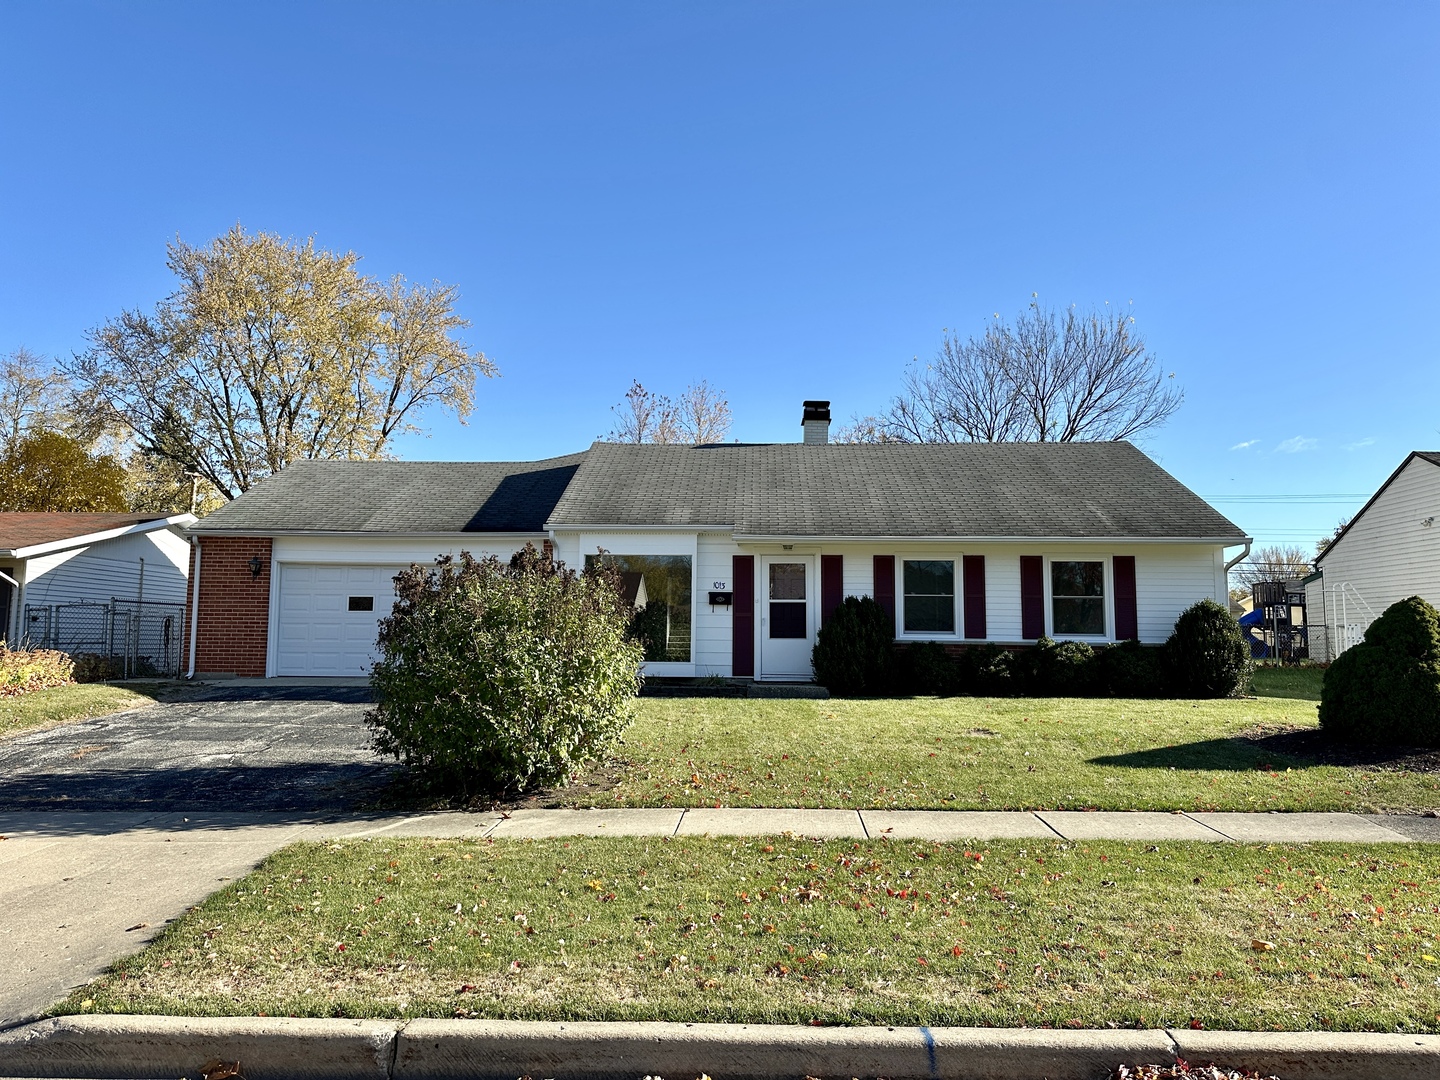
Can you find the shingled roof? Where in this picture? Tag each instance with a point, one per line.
(20, 530)
(398, 497)
(1107, 490)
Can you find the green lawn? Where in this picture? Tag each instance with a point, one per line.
(79, 701)
(993, 754)
(1288, 682)
(784, 930)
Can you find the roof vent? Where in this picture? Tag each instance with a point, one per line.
(816, 423)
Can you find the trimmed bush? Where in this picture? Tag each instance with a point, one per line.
(1129, 670)
(1206, 656)
(1058, 669)
(25, 670)
(1386, 690)
(926, 668)
(496, 678)
(987, 671)
(854, 654)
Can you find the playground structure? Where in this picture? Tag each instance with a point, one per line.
(1276, 629)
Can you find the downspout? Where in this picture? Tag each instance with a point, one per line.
(1235, 561)
(194, 606)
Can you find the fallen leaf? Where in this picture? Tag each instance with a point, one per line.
(137, 926)
(1262, 946)
(221, 1070)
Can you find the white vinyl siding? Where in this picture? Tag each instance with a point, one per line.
(110, 569)
(1387, 554)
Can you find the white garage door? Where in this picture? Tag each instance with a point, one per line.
(329, 617)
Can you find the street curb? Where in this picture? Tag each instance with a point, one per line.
(133, 1047)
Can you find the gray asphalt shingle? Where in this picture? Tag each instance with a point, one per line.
(399, 497)
(969, 490)
(1097, 490)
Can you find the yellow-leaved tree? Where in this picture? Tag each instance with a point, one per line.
(48, 471)
(273, 350)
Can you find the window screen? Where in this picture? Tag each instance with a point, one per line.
(929, 596)
(1077, 597)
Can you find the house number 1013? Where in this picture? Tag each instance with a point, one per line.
(719, 586)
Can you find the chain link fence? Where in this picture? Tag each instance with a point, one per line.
(121, 639)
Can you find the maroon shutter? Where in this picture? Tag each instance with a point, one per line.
(742, 618)
(973, 572)
(885, 584)
(1032, 597)
(832, 585)
(1127, 618)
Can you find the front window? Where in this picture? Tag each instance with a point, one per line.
(1077, 598)
(657, 588)
(929, 596)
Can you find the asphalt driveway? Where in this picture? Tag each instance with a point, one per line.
(231, 748)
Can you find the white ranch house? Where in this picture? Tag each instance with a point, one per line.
(747, 547)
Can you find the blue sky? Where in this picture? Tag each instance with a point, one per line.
(789, 199)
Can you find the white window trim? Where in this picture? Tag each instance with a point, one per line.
(956, 561)
(1108, 570)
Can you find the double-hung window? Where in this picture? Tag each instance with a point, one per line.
(1077, 598)
(929, 600)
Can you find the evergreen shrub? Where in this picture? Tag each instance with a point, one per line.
(1386, 690)
(1206, 656)
(854, 654)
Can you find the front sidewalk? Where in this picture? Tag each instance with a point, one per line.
(78, 891)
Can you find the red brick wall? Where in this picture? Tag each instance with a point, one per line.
(234, 607)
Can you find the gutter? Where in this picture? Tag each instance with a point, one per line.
(194, 607)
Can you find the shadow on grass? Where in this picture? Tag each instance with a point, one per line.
(1290, 748)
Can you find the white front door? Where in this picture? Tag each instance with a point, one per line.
(329, 617)
(787, 616)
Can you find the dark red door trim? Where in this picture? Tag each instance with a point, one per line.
(742, 618)
(1032, 597)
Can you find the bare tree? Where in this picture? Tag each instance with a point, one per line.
(1048, 378)
(644, 417)
(32, 397)
(703, 414)
(1276, 562)
(865, 429)
(1323, 544)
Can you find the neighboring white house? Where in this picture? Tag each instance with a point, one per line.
(76, 581)
(742, 550)
(1388, 551)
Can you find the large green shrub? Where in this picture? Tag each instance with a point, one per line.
(494, 678)
(854, 652)
(1206, 656)
(1129, 670)
(1386, 690)
(25, 670)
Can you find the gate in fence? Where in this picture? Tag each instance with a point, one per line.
(128, 638)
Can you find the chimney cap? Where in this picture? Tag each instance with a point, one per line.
(816, 410)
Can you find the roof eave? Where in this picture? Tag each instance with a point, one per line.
(85, 539)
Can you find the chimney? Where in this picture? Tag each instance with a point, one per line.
(816, 423)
